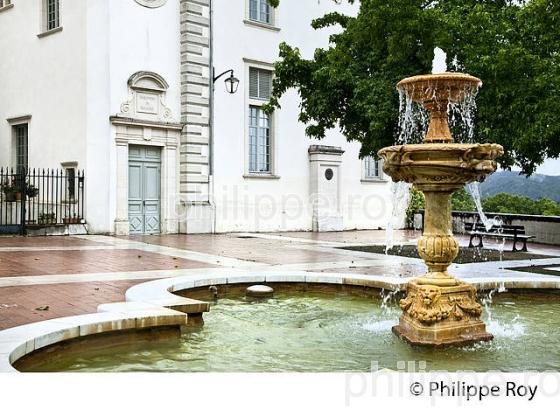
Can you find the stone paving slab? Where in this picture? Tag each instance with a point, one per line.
(18, 304)
(42, 241)
(85, 261)
(267, 251)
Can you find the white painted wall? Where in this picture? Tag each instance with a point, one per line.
(71, 82)
(267, 205)
(45, 78)
(123, 38)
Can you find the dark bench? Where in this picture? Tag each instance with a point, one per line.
(514, 232)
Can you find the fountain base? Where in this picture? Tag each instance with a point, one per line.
(441, 315)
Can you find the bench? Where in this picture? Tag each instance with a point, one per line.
(514, 232)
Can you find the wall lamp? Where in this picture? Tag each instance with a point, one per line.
(232, 82)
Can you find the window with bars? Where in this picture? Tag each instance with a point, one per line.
(71, 183)
(4, 3)
(372, 168)
(261, 11)
(52, 14)
(21, 145)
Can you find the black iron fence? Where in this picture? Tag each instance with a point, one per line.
(40, 197)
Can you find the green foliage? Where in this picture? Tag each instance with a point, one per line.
(517, 204)
(417, 201)
(514, 49)
(505, 203)
(461, 200)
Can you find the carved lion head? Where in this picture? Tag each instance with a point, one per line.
(429, 294)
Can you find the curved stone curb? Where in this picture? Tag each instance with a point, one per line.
(22, 340)
(161, 292)
(153, 304)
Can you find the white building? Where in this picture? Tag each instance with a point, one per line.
(122, 89)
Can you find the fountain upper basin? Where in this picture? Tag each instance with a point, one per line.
(446, 87)
(448, 165)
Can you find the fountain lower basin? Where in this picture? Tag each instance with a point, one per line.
(311, 328)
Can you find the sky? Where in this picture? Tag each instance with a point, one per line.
(549, 167)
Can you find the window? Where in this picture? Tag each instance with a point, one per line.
(259, 140)
(260, 123)
(261, 11)
(20, 134)
(52, 14)
(71, 183)
(372, 168)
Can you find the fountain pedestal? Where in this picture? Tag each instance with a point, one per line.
(439, 309)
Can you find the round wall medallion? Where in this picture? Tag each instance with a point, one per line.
(329, 174)
(151, 3)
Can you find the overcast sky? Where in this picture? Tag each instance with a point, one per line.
(549, 167)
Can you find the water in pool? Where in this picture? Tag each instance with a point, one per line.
(317, 332)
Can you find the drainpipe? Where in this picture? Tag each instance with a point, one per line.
(211, 119)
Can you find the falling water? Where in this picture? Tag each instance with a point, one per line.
(474, 190)
(512, 329)
(439, 64)
(401, 196)
(413, 125)
(461, 117)
(387, 317)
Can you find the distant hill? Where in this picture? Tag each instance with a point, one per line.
(535, 187)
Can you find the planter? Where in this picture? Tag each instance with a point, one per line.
(12, 196)
(71, 221)
(47, 219)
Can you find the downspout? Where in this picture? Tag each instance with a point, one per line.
(211, 119)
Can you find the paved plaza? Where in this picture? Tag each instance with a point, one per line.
(50, 277)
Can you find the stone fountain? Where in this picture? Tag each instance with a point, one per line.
(438, 308)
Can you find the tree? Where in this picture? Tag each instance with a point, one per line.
(518, 204)
(461, 200)
(417, 202)
(514, 48)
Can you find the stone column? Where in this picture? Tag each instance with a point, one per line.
(170, 200)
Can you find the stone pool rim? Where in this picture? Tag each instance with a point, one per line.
(154, 304)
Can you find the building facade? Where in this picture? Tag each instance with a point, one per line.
(125, 91)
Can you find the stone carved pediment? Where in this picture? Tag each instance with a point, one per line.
(146, 99)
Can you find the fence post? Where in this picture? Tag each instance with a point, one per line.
(22, 176)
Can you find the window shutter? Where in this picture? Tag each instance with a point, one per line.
(265, 84)
(253, 83)
(260, 84)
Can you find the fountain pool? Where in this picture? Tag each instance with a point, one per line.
(324, 330)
